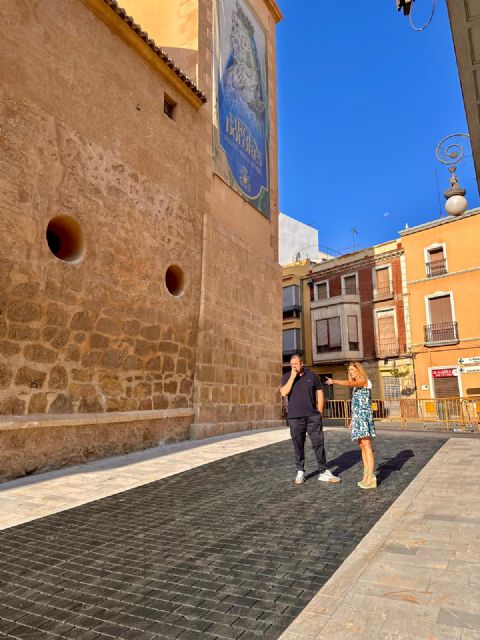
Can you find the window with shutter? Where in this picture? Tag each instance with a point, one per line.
(387, 343)
(383, 276)
(352, 325)
(291, 297)
(329, 336)
(440, 310)
(291, 342)
(446, 387)
(334, 333)
(322, 291)
(436, 254)
(322, 334)
(350, 285)
(441, 327)
(386, 328)
(383, 286)
(437, 263)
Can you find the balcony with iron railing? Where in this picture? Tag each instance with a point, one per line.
(387, 348)
(350, 290)
(383, 291)
(442, 333)
(436, 268)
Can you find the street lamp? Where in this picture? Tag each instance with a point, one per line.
(450, 153)
(407, 6)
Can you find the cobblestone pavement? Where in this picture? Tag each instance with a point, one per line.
(231, 549)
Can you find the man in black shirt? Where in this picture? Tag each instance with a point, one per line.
(304, 415)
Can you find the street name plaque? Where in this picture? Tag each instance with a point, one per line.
(472, 360)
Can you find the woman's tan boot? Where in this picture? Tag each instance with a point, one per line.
(370, 482)
(364, 477)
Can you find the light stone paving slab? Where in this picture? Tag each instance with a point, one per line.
(436, 558)
(402, 594)
(40, 495)
(415, 575)
(455, 616)
(388, 606)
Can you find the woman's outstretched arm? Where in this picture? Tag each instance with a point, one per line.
(359, 382)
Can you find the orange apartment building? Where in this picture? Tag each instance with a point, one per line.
(442, 262)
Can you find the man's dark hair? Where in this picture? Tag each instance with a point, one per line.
(297, 355)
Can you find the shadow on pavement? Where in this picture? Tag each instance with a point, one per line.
(345, 461)
(349, 459)
(394, 464)
(341, 463)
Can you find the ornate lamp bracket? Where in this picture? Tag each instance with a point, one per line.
(450, 153)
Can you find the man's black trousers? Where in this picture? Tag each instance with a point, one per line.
(299, 427)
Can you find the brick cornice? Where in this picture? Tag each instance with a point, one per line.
(355, 265)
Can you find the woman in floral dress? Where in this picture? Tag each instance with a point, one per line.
(361, 425)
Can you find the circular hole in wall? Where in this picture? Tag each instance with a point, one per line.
(175, 280)
(65, 238)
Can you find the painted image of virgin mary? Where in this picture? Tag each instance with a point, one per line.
(241, 78)
(243, 107)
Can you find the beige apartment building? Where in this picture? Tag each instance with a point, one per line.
(358, 314)
(296, 338)
(353, 307)
(139, 280)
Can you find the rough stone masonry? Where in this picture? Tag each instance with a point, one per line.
(84, 138)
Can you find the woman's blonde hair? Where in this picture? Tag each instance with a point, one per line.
(359, 368)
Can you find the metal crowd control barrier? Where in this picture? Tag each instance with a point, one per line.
(454, 414)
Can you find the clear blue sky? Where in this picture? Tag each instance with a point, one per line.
(363, 101)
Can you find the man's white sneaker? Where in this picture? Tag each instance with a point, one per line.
(327, 476)
(300, 477)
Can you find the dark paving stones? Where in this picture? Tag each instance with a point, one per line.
(232, 549)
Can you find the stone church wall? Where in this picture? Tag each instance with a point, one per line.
(84, 137)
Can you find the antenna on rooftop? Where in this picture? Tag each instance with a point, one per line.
(354, 233)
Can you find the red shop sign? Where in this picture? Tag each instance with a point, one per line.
(449, 372)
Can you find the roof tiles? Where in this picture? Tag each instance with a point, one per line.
(113, 4)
